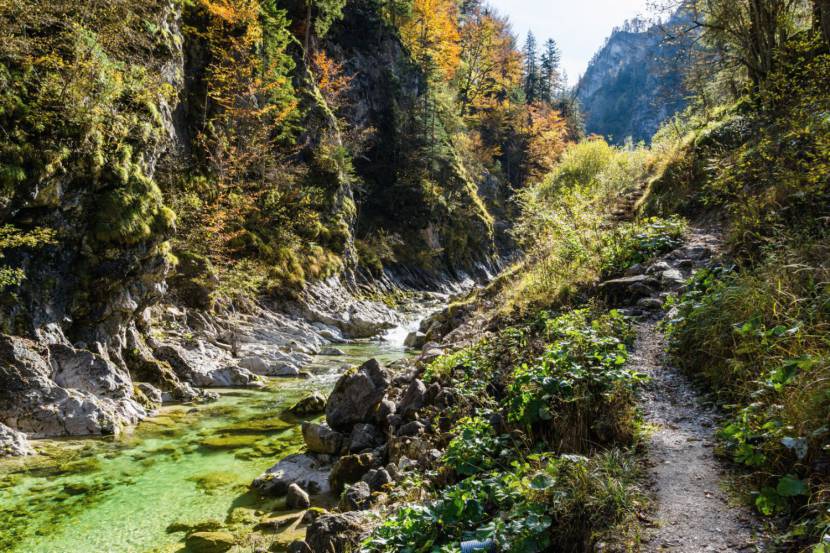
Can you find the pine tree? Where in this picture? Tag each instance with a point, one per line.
(550, 73)
(532, 76)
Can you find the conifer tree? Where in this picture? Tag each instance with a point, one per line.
(550, 72)
(532, 76)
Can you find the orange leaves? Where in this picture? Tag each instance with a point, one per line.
(331, 80)
(432, 36)
(546, 131)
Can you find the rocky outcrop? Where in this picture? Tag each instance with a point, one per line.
(634, 82)
(31, 402)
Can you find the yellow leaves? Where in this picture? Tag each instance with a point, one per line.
(432, 36)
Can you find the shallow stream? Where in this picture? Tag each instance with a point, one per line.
(189, 464)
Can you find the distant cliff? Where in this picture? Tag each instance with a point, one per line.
(633, 83)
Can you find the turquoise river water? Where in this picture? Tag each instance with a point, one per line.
(190, 464)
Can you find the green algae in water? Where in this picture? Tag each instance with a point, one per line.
(138, 493)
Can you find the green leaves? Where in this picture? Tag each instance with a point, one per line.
(791, 486)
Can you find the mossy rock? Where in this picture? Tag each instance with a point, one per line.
(212, 482)
(209, 525)
(195, 280)
(257, 426)
(210, 542)
(232, 442)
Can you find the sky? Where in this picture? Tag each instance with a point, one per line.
(578, 26)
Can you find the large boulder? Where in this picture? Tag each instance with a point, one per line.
(13, 443)
(356, 395)
(31, 402)
(306, 470)
(364, 436)
(337, 533)
(319, 438)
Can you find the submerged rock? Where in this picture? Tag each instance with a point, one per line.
(210, 542)
(13, 443)
(332, 352)
(312, 404)
(356, 395)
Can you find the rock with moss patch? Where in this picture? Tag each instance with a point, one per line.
(351, 468)
(307, 470)
(336, 533)
(312, 404)
(210, 542)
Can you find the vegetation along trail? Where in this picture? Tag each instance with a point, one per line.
(693, 510)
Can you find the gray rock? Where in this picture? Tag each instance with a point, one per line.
(357, 497)
(195, 368)
(413, 398)
(13, 443)
(356, 395)
(635, 269)
(152, 393)
(312, 404)
(336, 533)
(658, 267)
(625, 290)
(255, 364)
(672, 278)
(31, 402)
(377, 479)
(415, 340)
(431, 352)
(319, 438)
(332, 352)
(651, 303)
(297, 498)
(411, 429)
(364, 436)
(308, 471)
(88, 372)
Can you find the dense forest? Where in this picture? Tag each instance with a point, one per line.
(381, 247)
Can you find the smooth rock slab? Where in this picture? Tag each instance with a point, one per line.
(305, 470)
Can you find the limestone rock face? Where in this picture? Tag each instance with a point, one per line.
(356, 395)
(85, 371)
(13, 443)
(203, 372)
(31, 402)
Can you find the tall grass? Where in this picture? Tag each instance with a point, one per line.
(564, 218)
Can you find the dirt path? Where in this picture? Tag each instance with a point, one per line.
(693, 512)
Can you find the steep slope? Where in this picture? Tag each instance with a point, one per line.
(632, 84)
